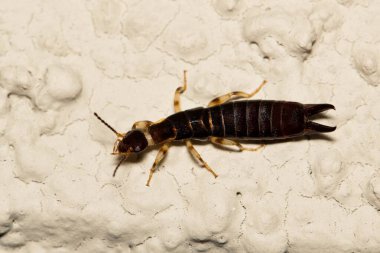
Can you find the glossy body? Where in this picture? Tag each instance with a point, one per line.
(224, 122)
(244, 119)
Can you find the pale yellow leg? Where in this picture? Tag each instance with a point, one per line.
(142, 124)
(222, 141)
(235, 95)
(116, 144)
(178, 92)
(177, 108)
(198, 157)
(160, 155)
(120, 153)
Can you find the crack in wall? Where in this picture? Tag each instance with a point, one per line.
(288, 243)
(239, 194)
(131, 246)
(179, 189)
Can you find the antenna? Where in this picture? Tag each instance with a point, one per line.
(118, 165)
(105, 123)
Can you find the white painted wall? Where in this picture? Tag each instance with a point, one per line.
(62, 60)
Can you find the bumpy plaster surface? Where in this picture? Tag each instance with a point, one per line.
(61, 61)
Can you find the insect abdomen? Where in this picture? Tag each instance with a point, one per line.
(247, 119)
(257, 119)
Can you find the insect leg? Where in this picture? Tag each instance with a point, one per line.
(235, 95)
(222, 141)
(178, 92)
(198, 157)
(142, 124)
(160, 155)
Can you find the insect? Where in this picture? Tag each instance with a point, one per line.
(222, 122)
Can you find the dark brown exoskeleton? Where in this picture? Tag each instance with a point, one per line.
(222, 123)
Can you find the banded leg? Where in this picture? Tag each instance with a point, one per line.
(222, 141)
(178, 92)
(198, 157)
(142, 124)
(235, 95)
(160, 155)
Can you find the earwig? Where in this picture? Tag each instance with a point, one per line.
(223, 122)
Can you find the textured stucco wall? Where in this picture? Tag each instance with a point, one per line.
(62, 60)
